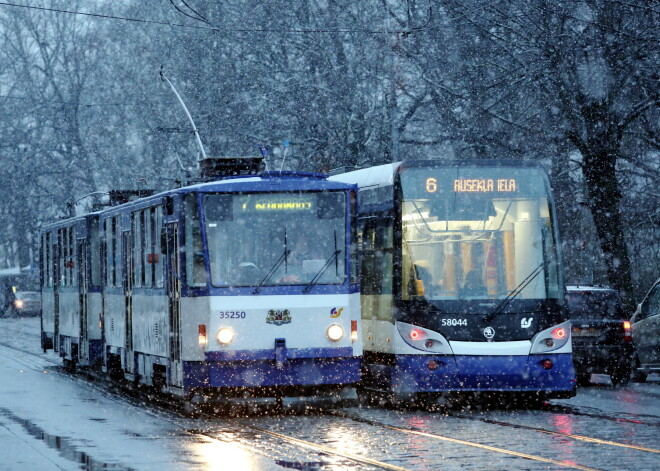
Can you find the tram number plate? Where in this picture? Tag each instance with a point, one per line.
(586, 332)
(231, 314)
(453, 322)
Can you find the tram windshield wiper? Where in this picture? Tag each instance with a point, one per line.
(523, 284)
(273, 269)
(325, 266)
(278, 263)
(320, 273)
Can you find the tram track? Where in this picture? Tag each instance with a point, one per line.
(159, 405)
(573, 436)
(444, 438)
(171, 411)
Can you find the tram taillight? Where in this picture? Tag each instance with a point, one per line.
(202, 339)
(354, 331)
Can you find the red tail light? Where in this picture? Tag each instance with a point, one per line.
(202, 339)
(559, 333)
(627, 331)
(354, 331)
(547, 364)
(417, 334)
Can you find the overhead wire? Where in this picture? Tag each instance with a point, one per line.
(197, 18)
(233, 30)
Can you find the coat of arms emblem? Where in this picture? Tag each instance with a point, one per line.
(278, 317)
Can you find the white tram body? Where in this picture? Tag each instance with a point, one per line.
(203, 290)
(72, 303)
(461, 279)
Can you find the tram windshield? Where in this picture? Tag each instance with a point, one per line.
(262, 239)
(477, 233)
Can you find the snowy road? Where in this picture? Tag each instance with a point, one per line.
(51, 420)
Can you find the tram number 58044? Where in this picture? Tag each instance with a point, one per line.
(453, 322)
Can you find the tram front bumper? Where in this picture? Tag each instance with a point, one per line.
(413, 373)
(273, 370)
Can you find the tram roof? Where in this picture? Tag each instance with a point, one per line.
(268, 181)
(383, 175)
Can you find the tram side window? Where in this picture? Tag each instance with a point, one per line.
(113, 249)
(95, 249)
(61, 256)
(195, 272)
(118, 251)
(136, 265)
(67, 256)
(377, 250)
(73, 259)
(47, 261)
(158, 257)
(107, 236)
(145, 247)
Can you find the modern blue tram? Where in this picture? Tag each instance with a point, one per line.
(245, 286)
(461, 280)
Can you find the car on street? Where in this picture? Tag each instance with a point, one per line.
(601, 331)
(26, 303)
(646, 334)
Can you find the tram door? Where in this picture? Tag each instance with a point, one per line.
(83, 285)
(127, 248)
(174, 295)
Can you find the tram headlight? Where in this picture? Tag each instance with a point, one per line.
(425, 340)
(551, 339)
(335, 332)
(225, 336)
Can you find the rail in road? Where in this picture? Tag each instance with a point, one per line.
(311, 451)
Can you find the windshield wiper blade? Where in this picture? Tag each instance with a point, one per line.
(320, 273)
(523, 284)
(274, 268)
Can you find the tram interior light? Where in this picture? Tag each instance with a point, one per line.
(225, 336)
(335, 332)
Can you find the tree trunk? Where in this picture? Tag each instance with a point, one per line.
(604, 197)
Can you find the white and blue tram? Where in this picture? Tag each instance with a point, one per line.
(205, 290)
(72, 302)
(461, 280)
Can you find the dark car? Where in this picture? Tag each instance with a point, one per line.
(27, 303)
(602, 337)
(646, 334)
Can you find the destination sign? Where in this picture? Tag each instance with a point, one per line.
(290, 205)
(476, 185)
(484, 185)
